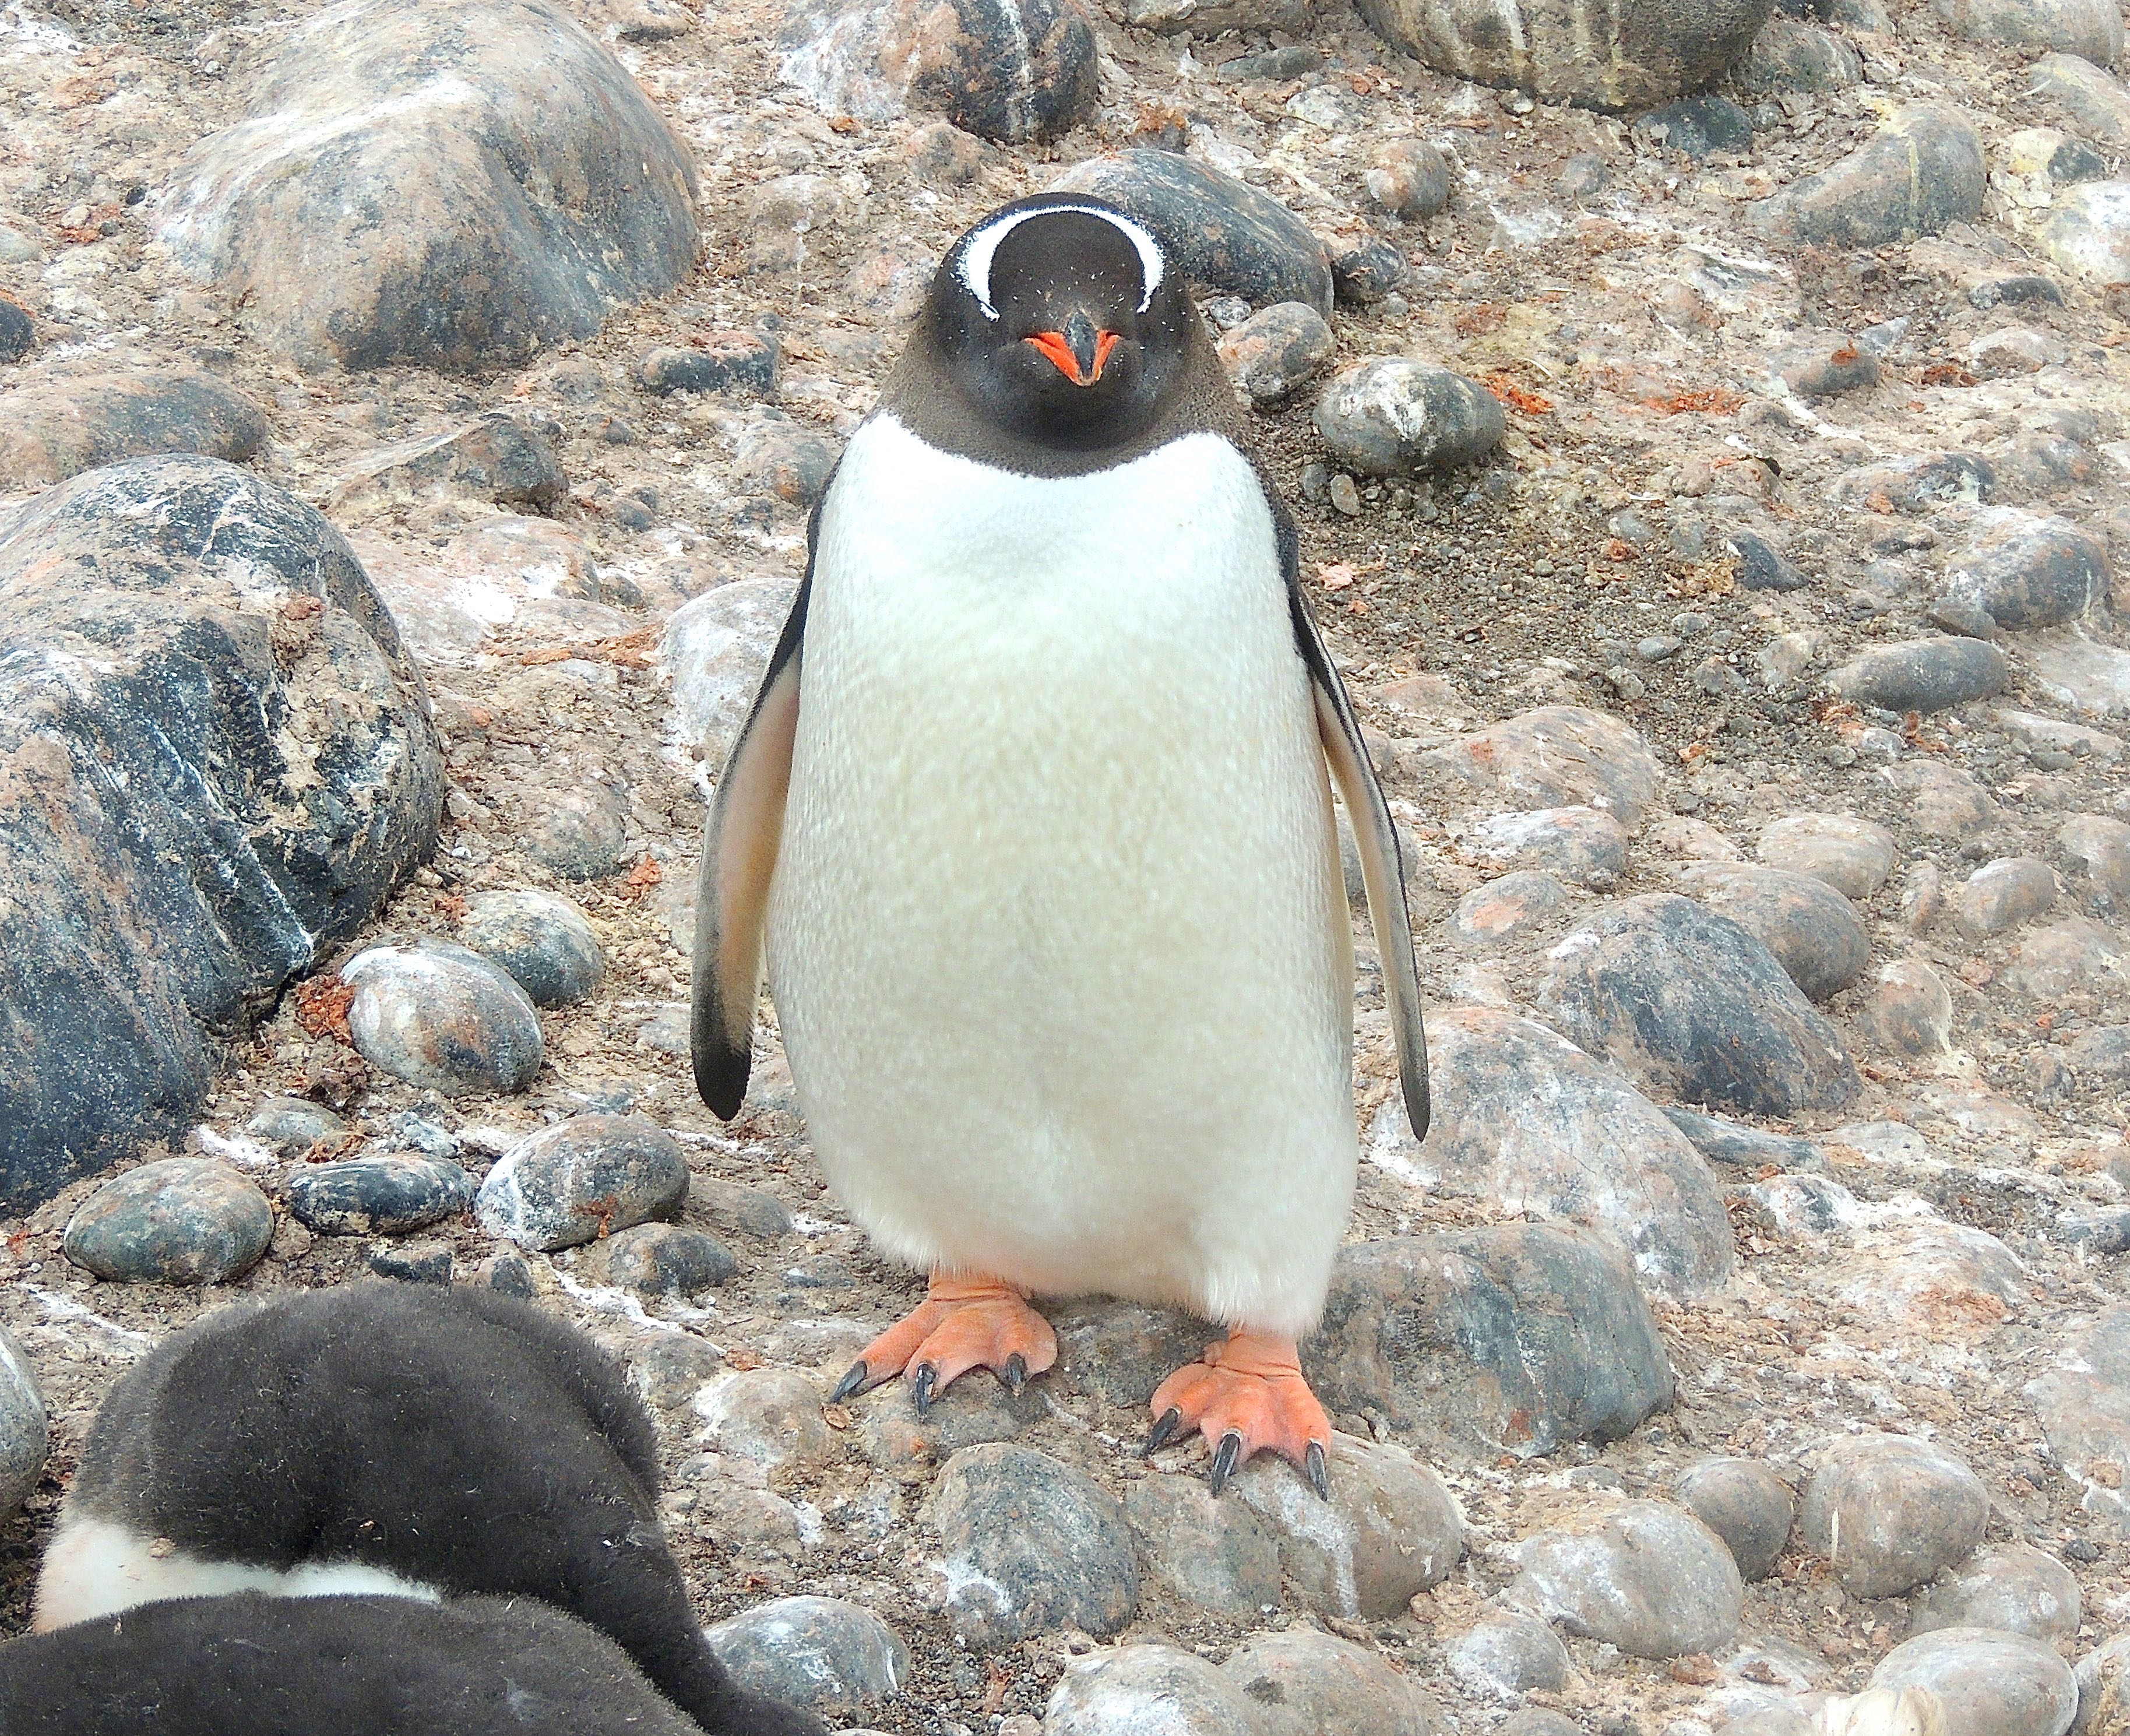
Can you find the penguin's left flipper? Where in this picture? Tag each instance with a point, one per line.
(1376, 839)
(739, 856)
(1246, 1396)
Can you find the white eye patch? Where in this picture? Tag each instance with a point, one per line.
(981, 246)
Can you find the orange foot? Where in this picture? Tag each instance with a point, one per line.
(962, 1324)
(1246, 1395)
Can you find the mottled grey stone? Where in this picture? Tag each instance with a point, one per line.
(1146, 1691)
(1653, 1580)
(820, 1652)
(1852, 855)
(1890, 1512)
(1991, 1684)
(180, 1220)
(661, 1260)
(1212, 1551)
(1920, 173)
(384, 1195)
(1813, 932)
(1923, 675)
(2003, 893)
(2024, 570)
(1394, 416)
(1276, 350)
(435, 1014)
(1305, 1683)
(1555, 756)
(1507, 1655)
(24, 1440)
(2014, 1588)
(1747, 1505)
(75, 423)
(580, 1179)
(542, 940)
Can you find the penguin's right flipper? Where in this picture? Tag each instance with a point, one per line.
(739, 856)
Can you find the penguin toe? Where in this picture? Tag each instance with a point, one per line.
(1247, 1397)
(964, 1323)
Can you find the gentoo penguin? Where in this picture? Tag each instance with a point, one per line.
(251, 1665)
(394, 1439)
(1031, 814)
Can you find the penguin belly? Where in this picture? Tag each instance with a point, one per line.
(1058, 935)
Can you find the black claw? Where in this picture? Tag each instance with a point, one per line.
(1313, 1462)
(1224, 1460)
(1016, 1373)
(852, 1380)
(928, 1377)
(1163, 1431)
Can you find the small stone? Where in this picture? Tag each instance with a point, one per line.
(1410, 178)
(2014, 1588)
(1786, 656)
(2099, 851)
(1854, 856)
(738, 1209)
(1653, 1580)
(1691, 1002)
(1345, 495)
(1789, 54)
(1394, 416)
(1389, 1532)
(1304, 1683)
(435, 1014)
(2091, 29)
(736, 363)
(500, 458)
(382, 1195)
(1508, 909)
(2027, 571)
(2084, 674)
(1018, 73)
(1910, 1011)
(1801, 1206)
(1226, 235)
(770, 1417)
(542, 939)
(2102, 1674)
(1538, 1721)
(1922, 674)
(1940, 800)
(506, 1274)
(1297, 60)
(24, 1440)
(820, 1652)
(660, 1260)
(716, 648)
(1212, 1551)
(180, 1220)
(1586, 175)
(1698, 126)
(1761, 568)
(1584, 845)
(2083, 1405)
(292, 1125)
(2079, 963)
(1508, 1655)
(581, 832)
(1516, 1338)
(2014, 350)
(1554, 756)
(1523, 1120)
(1989, 1684)
(581, 1179)
(1146, 1691)
(1747, 1505)
(779, 457)
(941, 151)
(1921, 172)
(1030, 1545)
(2086, 232)
(1734, 1144)
(1891, 1513)
(1826, 368)
(1916, 483)
(74, 424)
(2031, 733)
(413, 1263)
(1812, 930)
(1121, 1351)
(2003, 894)
(2092, 99)
(1277, 350)
(1365, 268)
(18, 333)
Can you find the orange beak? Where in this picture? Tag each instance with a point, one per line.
(1077, 352)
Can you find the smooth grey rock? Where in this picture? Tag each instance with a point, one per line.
(1146, 1691)
(1689, 1001)
(1790, 54)
(1227, 236)
(1891, 1512)
(1123, 1351)
(1764, 568)
(1923, 675)
(194, 670)
(1940, 800)
(1525, 1121)
(1747, 1505)
(2024, 570)
(435, 1014)
(2090, 28)
(179, 1220)
(1519, 1337)
(2003, 893)
(716, 649)
(1698, 126)
(1394, 416)
(580, 831)
(412, 1262)
(2014, 1588)
(385, 1194)
(2086, 231)
(2079, 964)
(775, 455)
(580, 1179)
(1585, 847)
(2082, 674)
(1029, 1545)
(75, 423)
(729, 363)
(1852, 855)
(450, 185)
(1390, 1531)
(738, 1209)
(1506, 909)
(2091, 97)
(1410, 178)
(2099, 851)
(1555, 756)
(770, 1417)
(820, 1652)
(2084, 1407)
(1365, 268)
(292, 1125)
(1653, 1580)
(1506, 1656)
(2100, 1676)
(1921, 172)
(24, 1440)
(1916, 483)
(1568, 51)
(1824, 364)
(1909, 1010)
(1275, 351)
(1734, 1144)
(18, 331)
(542, 939)
(1814, 931)
(1212, 1551)
(1991, 1684)
(662, 1260)
(1304, 1683)
(1213, 18)
(507, 1275)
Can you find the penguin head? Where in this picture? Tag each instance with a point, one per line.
(1061, 319)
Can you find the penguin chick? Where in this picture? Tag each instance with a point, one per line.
(1886, 1712)
(253, 1665)
(396, 1439)
(1031, 819)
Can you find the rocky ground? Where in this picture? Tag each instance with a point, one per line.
(1785, 587)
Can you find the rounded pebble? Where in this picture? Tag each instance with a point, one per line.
(1146, 1691)
(1891, 1513)
(436, 1014)
(381, 1195)
(1923, 675)
(719, 361)
(1585, 847)
(24, 1427)
(581, 832)
(820, 1652)
(1854, 856)
(769, 1416)
(2014, 1587)
(2023, 571)
(292, 1125)
(17, 334)
(2003, 893)
(1410, 179)
(1992, 1683)
(1394, 416)
(1276, 350)
(544, 941)
(1505, 910)
(1653, 1580)
(1910, 1010)
(183, 1220)
(1365, 268)
(1304, 1683)
(1747, 1505)
(1213, 1551)
(1508, 1655)
(582, 1178)
(663, 1259)
(1814, 931)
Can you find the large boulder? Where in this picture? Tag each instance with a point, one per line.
(1631, 53)
(215, 760)
(450, 183)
